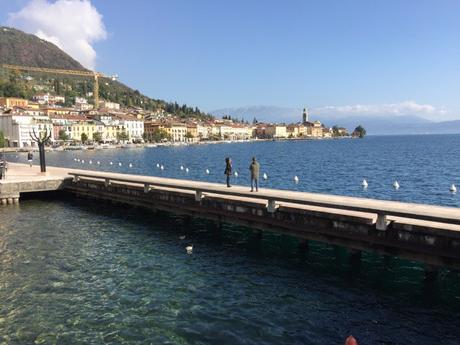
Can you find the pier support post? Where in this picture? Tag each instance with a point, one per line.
(16, 200)
(198, 195)
(4, 201)
(381, 223)
(10, 201)
(272, 206)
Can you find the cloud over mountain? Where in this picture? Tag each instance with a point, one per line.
(73, 25)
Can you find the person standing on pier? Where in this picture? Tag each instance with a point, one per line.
(228, 170)
(30, 157)
(254, 168)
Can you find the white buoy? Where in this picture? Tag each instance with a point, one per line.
(181, 167)
(158, 165)
(111, 163)
(119, 164)
(396, 185)
(162, 167)
(182, 237)
(453, 189)
(130, 165)
(189, 249)
(296, 179)
(236, 173)
(364, 183)
(98, 163)
(207, 171)
(265, 176)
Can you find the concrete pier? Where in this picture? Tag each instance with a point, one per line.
(425, 233)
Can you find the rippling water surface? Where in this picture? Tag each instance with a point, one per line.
(79, 272)
(424, 165)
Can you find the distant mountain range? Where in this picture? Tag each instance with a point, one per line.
(374, 124)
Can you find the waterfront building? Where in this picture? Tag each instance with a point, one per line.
(177, 131)
(276, 131)
(65, 122)
(17, 127)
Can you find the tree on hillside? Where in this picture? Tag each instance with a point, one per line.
(84, 138)
(359, 132)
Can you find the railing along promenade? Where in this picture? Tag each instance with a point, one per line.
(426, 233)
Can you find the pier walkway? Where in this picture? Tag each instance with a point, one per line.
(426, 233)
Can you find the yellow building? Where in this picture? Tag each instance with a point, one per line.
(86, 127)
(276, 131)
(11, 102)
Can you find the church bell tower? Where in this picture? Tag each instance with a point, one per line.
(305, 115)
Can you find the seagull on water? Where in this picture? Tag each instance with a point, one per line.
(364, 183)
(453, 189)
(396, 185)
(207, 171)
(265, 176)
(189, 249)
(296, 179)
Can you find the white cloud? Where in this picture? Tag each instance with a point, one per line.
(390, 109)
(73, 25)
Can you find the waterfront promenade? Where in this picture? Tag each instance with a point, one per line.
(426, 233)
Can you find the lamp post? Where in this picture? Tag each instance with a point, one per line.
(41, 139)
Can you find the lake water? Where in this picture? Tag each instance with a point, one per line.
(80, 272)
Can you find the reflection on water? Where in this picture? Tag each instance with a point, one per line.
(75, 271)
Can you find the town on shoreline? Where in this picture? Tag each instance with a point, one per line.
(110, 125)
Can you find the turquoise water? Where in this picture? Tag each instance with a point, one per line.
(78, 272)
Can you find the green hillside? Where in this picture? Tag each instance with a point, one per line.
(19, 48)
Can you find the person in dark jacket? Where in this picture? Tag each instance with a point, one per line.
(254, 168)
(30, 158)
(228, 170)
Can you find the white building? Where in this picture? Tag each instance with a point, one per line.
(47, 98)
(109, 105)
(18, 127)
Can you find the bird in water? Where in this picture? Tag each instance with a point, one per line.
(111, 163)
(181, 167)
(236, 173)
(119, 164)
(207, 171)
(396, 185)
(364, 183)
(158, 165)
(162, 167)
(296, 179)
(130, 165)
(186, 170)
(265, 176)
(182, 237)
(453, 189)
(189, 249)
(98, 163)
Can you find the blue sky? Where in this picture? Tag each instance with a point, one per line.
(344, 56)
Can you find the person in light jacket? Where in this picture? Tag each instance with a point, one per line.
(228, 170)
(254, 168)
